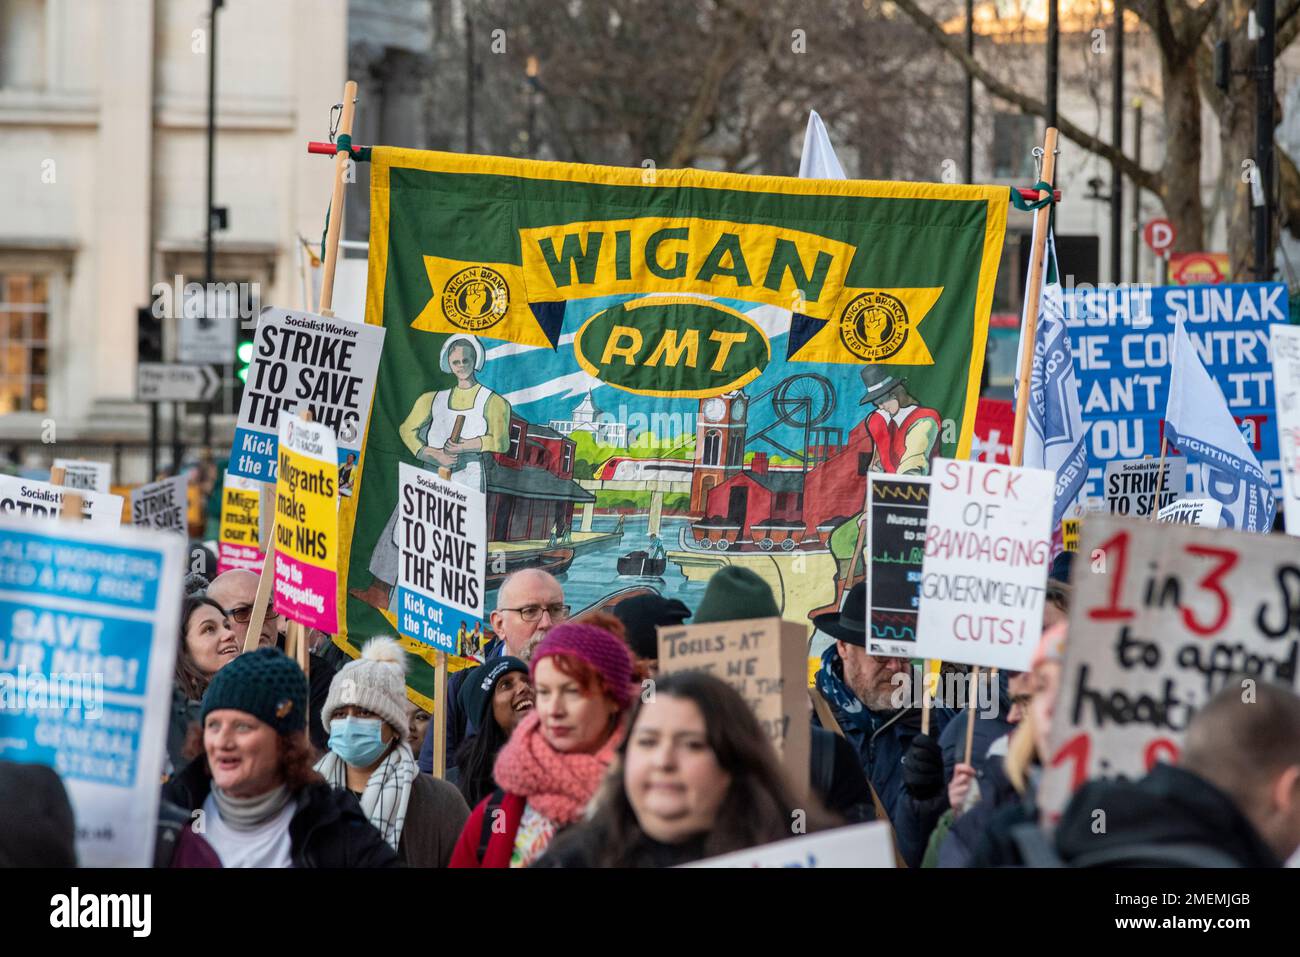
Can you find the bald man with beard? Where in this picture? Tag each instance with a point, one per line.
(236, 591)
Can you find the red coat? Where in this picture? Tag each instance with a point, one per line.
(501, 842)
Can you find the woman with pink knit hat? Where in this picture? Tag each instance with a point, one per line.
(552, 766)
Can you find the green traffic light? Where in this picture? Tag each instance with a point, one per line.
(243, 375)
(245, 352)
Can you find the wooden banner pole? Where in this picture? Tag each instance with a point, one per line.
(332, 233)
(1028, 334)
(925, 695)
(440, 676)
(970, 712)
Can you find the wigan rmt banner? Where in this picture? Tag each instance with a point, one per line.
(654, 374)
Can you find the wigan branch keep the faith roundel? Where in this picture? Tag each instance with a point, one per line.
(656, 373)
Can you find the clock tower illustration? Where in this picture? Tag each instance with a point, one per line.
(719, 444)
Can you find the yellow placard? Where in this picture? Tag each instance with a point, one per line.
(306, 511)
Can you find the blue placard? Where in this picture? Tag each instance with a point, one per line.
(1121, 338)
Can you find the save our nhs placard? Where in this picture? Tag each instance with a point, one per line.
(1121, 339)
(88, 620)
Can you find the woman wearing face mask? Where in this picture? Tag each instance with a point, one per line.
(207, 644)
(496, 697)
(262, 804)
(366, 713)
(696, 778)
(553, 763)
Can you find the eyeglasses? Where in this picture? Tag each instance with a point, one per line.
(242, 613)
(531, 613)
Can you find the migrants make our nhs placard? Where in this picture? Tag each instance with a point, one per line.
(305, 363)
(441, 538)
(307, 524)
(32, 499)
(1122, 344)
(238, 537)
(988, 541)
(88, 620)
(1163, 618)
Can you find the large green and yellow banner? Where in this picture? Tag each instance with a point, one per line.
(656, 373)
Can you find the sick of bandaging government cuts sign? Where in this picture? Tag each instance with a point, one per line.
(652, 375)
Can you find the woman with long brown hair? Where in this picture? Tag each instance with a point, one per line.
(206, 644)
(696, 777)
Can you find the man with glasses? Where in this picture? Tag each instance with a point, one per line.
(529, 603)
(236, 591)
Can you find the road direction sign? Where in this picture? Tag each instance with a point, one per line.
(167, 382)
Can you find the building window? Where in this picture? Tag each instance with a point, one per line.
(567, 462)
(24, 342)
(516, 436)
(22, 45)
(1014, 137)
(712, 447)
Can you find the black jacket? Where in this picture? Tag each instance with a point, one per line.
(1170, 811)
(577, 846)
(328, 829)
(838, 778)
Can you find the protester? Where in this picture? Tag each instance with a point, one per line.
(419, 816)
(552, 765)
(419, 720)
(236, 590)
(642, 616)
(734, 594)
(495, 696)
(870, 698)
(983, 836)
(1233, 800)
(695, 778)
(529, 603)
(207, 644)
(39, 829)
(262, 804)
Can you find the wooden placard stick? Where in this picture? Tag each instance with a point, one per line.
(925, 696)
(440, 665)
(1042, 217)
(971, 712)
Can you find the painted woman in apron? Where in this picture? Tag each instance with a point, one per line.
(484, 427)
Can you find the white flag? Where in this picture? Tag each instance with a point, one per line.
(1198, 424)
(818, 160)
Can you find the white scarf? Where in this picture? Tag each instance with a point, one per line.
(387, 792)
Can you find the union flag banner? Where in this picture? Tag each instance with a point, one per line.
(656, 373)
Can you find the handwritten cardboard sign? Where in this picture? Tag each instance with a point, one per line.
(441, 538)
(307, 524)
(863, 845)
(1130, 485)
(895, 548)
(987, 548)
(763, 659)
(1161, 620)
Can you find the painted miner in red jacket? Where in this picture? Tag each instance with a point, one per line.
(904, 433)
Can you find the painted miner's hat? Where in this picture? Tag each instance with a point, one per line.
(878, 382)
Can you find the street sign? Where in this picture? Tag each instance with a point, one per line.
(1159, 235)
(206, 324)
(163, 382)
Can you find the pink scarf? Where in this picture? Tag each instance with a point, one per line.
(556, 784)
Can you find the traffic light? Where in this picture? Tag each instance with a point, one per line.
(148, 336)
(243, 359)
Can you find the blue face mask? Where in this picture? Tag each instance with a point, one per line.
(358, 741)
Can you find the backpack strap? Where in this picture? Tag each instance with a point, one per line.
(489, 816)
(824, 713)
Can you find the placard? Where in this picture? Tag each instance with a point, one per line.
(28, 498)
(306, 524)
(1166, 616)
(1286, 389)
(1070, 528)
(238, 540)
(862, 845)
(1130, 485)
(162, 505)
(895, 548)
(764, 660)
(441, 533)
(88, 623)
(1204, 512)
(988, 543)
(81, 474)
(304, 361)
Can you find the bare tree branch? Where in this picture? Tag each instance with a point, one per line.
(1146, 179)
(1288, 26)
(1198, 21)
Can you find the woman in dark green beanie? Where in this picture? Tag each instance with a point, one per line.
(262, 804)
